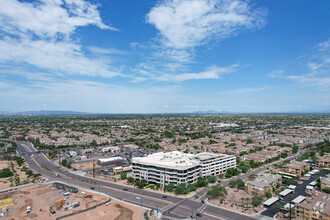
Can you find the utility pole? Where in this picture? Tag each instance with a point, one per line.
(290, 206)
(93, 169)
(165, 180)
(59, 158)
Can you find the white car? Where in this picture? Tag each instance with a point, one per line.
(138, 198)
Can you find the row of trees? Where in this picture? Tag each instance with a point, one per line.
(182, 188)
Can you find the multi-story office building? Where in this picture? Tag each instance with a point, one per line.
(215, 164)
(177, 167)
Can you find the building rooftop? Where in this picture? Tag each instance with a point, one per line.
(264, 179)
(318, 201)
(103, 160)
(173, 160)
(206, 155)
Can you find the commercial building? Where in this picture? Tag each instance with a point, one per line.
(264, 182)
(177, 167)
(313, 208)
(297, 168)
(109, 161)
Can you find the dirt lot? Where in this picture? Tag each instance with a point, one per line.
(4, 182)
(83, 166)
(42, 197)
(234, 201)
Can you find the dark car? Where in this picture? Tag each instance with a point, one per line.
(92, 188)
(199, 214)
(125, 189)
(203, 201)
(164, 197)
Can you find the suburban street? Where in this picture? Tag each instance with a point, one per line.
(184, 208)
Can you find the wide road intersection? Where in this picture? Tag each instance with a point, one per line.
(171, 207)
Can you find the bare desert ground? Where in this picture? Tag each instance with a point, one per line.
(41, 198)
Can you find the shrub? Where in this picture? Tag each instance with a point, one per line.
(5, 172)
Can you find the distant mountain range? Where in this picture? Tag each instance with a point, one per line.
(210, 112)
(45, 112)
(61, 112)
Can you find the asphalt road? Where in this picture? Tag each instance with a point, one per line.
(172, 207)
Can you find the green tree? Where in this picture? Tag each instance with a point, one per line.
(180, 189)
(268, 194)
(64, 162)
(240, 184)
(123, 176)
(201, 182)
(211, 179)
(5, 172)
(232, 183)
(170, 187)
(256, 200)
(130, 180)
(191, 187)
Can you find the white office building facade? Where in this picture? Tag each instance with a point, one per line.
(177, 167)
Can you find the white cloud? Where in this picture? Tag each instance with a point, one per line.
(64, 57)
(245, 90)
(105, 51)
(87, 96)
(318, 71)
(186, 24)
(213, 72)
(276, 74)
(40, 34)
(48, 18)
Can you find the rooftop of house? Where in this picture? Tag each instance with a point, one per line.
(318, 202)
(264, 179)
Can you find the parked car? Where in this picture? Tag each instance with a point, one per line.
(199, 214)
(164, 196)
(92, 188)
(125, 189)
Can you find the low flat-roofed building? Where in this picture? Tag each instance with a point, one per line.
(177, 167)
(110, 149)
(315, 207)
(264, 182)
(297, 168)
(270, 201)
(298, 199)
(109, 161)
(285, 193)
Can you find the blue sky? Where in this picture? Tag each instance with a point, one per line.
(111, 56)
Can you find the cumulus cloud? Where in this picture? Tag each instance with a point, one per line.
(212, 72)
(185, 24)
(48, 18)
(317, 71)
(245, 90)
(40, 34)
